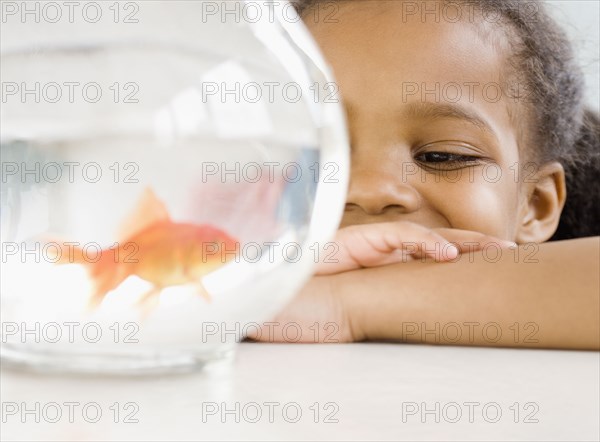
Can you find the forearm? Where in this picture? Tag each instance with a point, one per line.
(551, 303)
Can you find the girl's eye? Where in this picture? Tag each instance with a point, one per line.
(445, 160)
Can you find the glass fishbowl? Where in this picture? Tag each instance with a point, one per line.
(169, 170)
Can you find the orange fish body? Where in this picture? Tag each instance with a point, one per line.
(162, 252)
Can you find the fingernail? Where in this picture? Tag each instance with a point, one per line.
(452, 251)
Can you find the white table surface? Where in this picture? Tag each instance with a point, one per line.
(363, 386)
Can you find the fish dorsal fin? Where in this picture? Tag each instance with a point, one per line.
(149, 210)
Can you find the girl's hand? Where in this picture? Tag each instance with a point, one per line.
(373, 245)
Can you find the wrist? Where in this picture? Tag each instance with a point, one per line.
(346, 288)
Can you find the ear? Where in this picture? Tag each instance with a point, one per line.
(546, 195)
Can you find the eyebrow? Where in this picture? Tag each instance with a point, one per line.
(426, 110)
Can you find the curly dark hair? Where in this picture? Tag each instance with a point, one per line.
(561, 129)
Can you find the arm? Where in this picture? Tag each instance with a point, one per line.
(554, 301)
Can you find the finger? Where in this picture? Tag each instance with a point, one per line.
(424, 243)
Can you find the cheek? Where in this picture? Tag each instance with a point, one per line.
(481, 200)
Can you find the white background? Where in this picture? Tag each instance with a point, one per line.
(581, 20)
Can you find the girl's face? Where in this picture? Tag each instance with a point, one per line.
(431, 131)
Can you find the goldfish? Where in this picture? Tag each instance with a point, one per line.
(156, 249)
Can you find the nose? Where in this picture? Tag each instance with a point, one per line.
(378, 192)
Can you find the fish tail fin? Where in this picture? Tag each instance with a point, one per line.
(103, 274)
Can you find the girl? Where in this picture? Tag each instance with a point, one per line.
(467, 126)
